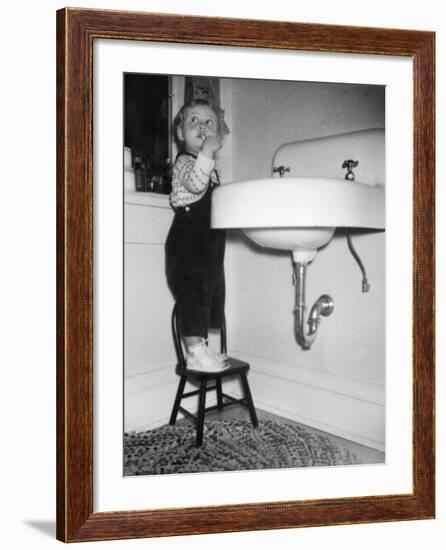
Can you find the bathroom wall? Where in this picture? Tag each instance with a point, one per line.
(338, 385)
(268, 114)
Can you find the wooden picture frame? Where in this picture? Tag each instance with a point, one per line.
(77, 29)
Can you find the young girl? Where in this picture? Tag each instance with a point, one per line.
(195, 252)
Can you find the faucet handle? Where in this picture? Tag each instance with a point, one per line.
(281, 169)
(349, 164)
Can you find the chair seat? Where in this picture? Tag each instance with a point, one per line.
(236, 367)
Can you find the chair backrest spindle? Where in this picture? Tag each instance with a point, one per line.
(177, 339)
(223, 346)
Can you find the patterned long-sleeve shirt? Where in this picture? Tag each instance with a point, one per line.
(191, 177)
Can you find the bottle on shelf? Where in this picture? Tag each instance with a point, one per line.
(139, 174)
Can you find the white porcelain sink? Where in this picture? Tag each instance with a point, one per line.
(297, 214)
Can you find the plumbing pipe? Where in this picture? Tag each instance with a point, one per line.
(323, 306)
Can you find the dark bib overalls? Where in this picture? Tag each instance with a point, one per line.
(194, 267)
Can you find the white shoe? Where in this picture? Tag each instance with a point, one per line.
(221, 357)
(200, 358)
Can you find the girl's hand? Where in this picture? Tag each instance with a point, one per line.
(211, 145)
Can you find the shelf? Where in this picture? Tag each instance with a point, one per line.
(156, 200)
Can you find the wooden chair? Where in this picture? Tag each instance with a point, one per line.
(237, 367)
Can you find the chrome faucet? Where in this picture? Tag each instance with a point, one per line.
(349, 164)
(281, 169)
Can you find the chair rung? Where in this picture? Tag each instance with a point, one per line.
(188, 414)
(233, 399)
(216, 407)
(190, 393)
(197, 392)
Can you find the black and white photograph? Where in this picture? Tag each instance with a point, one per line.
(254, 274)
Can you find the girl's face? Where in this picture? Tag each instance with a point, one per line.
(199, 123)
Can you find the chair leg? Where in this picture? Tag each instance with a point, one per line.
(201, 409)
(179, 396)
(219, 393)
(249, 401)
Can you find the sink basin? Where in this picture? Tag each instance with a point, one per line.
(297, 214)
(302, 242)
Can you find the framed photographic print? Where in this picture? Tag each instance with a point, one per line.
(215, 177)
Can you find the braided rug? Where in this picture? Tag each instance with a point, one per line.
(230, 445)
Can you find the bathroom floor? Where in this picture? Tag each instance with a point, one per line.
(366, 454)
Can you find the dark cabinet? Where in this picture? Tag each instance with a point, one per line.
(147, 129)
